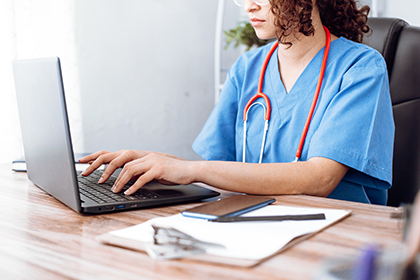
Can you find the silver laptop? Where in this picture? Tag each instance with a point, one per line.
(49, 152)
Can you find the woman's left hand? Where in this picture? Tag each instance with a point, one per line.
(164, 168)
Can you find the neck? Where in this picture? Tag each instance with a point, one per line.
(294, 59)
(303, 48)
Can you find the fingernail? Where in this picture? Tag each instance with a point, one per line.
(114, 187)
(127, 192)
(101, 180)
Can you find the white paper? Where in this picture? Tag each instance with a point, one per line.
(244, 240)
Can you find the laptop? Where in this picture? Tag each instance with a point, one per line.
(49, 154)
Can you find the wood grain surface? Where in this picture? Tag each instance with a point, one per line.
(40, 238)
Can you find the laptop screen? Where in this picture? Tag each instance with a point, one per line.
(45, 128)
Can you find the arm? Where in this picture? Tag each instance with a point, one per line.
(317, 176)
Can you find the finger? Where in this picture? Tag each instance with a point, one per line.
(91, 157)
(130, 170)
(141, 181)
(101, 159)
(123, 158)
(113, 165)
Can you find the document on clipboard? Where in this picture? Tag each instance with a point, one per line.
(242, 244)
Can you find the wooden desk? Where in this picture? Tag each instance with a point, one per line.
(40, 238)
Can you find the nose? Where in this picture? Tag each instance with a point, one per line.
(250, 6)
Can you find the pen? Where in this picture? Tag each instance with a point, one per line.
(269, 218)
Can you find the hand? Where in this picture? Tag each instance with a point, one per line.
(155, 166)
(115, 160)
(144, 166)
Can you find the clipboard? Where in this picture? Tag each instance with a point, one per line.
(108, 239)
(136, 238)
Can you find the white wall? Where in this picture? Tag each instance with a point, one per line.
(409, 10)
(405, 9)
(146, 72)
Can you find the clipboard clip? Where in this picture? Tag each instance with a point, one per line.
(170, 243)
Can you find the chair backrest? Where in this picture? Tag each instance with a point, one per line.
(399, 43)
(405, 93)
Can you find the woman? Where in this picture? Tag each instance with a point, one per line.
(347, 150)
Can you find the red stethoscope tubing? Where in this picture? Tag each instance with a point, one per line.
(259, 89)
(317, 91)
(267, 101)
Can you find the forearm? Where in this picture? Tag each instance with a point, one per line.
(318, 176)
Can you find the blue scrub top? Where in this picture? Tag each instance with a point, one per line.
(352, 123)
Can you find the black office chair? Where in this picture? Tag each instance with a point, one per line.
(399, 43)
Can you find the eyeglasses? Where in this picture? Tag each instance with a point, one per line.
(240, 3)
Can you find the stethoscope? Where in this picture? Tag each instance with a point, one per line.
(267, 110)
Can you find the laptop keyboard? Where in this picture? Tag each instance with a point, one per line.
(101, 193)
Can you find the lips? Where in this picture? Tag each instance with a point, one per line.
(256, 22)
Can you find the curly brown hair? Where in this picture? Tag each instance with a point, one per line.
(341, 17)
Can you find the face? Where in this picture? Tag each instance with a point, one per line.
(261, 19)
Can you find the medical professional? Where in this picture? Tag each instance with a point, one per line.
(321, 123)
